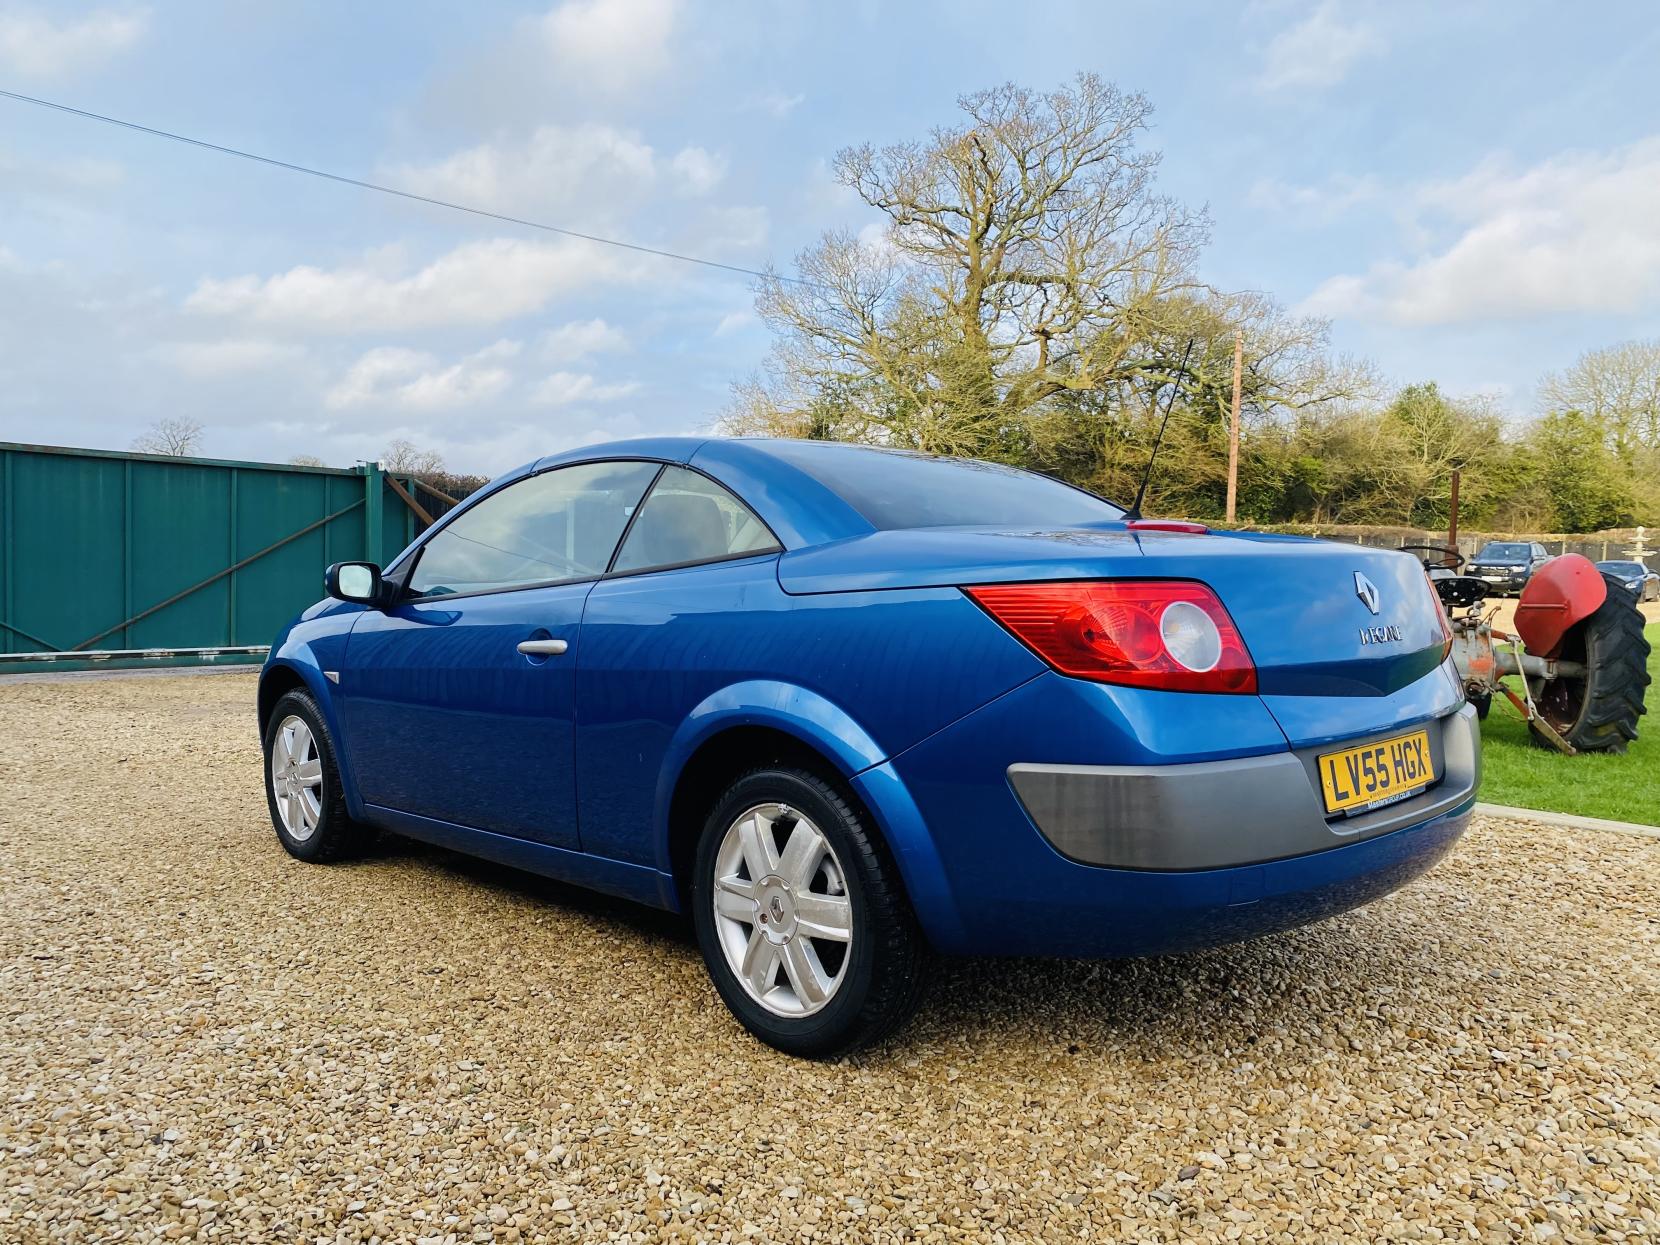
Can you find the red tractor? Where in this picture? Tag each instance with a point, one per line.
(1578, 651)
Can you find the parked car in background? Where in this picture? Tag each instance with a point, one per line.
(1506, 566)
(850, 706)
(1636, 576)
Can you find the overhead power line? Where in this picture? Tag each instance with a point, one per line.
(393, 190)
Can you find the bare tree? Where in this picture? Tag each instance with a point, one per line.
(405, 458)
(1101, 437)
(1025, 255)
(1618, 387)
(306, 460)
(175, 435)
(1618, 390)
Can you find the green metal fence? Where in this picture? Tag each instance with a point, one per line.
(121, 558)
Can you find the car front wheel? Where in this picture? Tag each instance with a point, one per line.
(302, 783)
(802, 919)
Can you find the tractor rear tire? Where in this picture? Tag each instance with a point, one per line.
(1599, 712)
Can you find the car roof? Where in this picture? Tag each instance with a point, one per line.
(684, 449)
(766, 472)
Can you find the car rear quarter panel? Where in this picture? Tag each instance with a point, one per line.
(669, 659)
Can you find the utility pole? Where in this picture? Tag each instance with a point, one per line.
(1452, 514)
(1233, 424)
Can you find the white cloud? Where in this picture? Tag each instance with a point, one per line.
(777, 103)
(561, 169)
(555, 167)
(231, 357)
(1316, 52)
(698, 170)
(478, 283)
(611, 44)
(564, 388)
(1330, 199)
(34, 46)
(581, 338)
(733, 322)
(721, 232)
(396, 377)
(1574, 233)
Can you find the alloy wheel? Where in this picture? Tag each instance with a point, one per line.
(297, 778)
(782, 911)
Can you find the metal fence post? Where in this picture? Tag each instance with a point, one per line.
(372, 490)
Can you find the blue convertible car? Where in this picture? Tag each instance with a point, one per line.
(852, 706)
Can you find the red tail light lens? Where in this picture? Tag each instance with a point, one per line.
(1170, 634)
(1440, 616)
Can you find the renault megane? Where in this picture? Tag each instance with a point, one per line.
(850, 707)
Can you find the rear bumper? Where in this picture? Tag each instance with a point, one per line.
(1123, 913)
(985, 880)
(1222, 814)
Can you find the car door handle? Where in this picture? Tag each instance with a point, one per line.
(542, 648)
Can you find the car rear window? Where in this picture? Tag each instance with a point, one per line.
(901, 489)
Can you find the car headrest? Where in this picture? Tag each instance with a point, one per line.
(680, 527)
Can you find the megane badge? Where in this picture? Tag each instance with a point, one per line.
(1367, 591)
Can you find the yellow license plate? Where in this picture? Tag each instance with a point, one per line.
(1377, 774)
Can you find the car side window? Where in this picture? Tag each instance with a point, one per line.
(689, 518)
(555, 526)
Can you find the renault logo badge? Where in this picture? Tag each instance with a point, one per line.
(1367, 591)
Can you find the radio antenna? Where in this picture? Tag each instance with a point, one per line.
(1134, 512)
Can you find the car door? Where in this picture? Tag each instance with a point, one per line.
(692, 605)
(459, 700)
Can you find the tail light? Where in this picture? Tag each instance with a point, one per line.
(1171, 634)
(1440, 616)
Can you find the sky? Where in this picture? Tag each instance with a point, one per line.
(1469, 192)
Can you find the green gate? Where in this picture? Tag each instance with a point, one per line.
(110, 558)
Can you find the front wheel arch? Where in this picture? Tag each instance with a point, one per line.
(284, 675)
(274, 684)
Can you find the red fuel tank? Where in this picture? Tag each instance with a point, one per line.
(1562, 592)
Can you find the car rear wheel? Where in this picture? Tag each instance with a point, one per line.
(302, 784)
(801, 917)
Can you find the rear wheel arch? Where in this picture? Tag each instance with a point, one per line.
(720, 761)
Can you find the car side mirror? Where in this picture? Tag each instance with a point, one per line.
(359, 582)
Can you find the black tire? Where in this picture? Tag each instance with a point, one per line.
(336, 835)
(888, 956)
(1599, 712)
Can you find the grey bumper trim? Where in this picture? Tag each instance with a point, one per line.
(1217, 814)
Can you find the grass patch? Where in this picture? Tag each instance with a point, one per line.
(1623, 788)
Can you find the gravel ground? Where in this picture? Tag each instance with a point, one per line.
(203, 1039)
